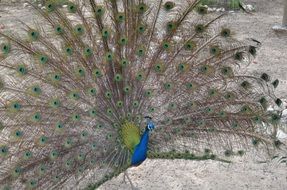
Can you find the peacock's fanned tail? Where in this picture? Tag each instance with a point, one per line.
(75, 88)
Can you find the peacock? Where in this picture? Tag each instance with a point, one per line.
(97, 86)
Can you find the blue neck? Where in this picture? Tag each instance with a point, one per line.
(140, 152)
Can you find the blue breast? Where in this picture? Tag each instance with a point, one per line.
(140, 152)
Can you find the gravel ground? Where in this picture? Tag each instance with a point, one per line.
(180, 174)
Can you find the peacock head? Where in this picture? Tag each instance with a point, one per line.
(150, 125)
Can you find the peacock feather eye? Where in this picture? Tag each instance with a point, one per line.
(158, 68)
(42, 59)
(222, 114)
(92, 112)
(54, 154)
(246, 109)
(120, 104)
(106, 33)
(55, 77)
(171, 26)
(227, 71)
(263, 102)
(235, 125)
(124, 62)
(238, 56)
(140, 51)
(33, 35)
(120, 17)
(127, 89)
(42, 140)
(59, 126)
(206, 69)
(277, 143)
(55, 103)
(141, 8)
(74, 95)
(99, 11)
(35, 90)
(148, 93)
(68, 51)
(36, 117)
(21, 70)
(199, 28)
(169, 5)
(123, 41)
(27, 155)
(182, 67)
(3, 151)
(228, 153)
(80, 72)
(213, 92)
(208, 110)
(99, 126)
(214, 50)
(92, 91)
(275, 83)
(265, 77)
(225, 32)
(245, 85)
(202, 10)
(172, 106)
(139, 76)
(257, 119)
(109, 111)
(167, 86)
(141, 28)
(275, 118)
(88, 52)
(108, 94)
(69, 163)
(76, 117)
(50, 6)
(5, 48)
(118, 78)
(151, 109)
(68, 142)
(84, 135)
(229, 96)
(42, 169)
(72, 8)
(189, 45)
(252, 50)
(255, 141)
(278, 102)
(56, 178)
(191, 85)
(135, 104)
(14, 106)
(80, 170)
(109, 56)
(16, 172)
(79, 30)
(166, 45)
(97, 73)
(109, 136)
(59, 30)
(94, 145)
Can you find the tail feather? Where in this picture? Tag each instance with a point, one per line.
(79, 74)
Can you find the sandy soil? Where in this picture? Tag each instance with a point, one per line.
(180, 174)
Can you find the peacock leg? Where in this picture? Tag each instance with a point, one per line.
(130, 181)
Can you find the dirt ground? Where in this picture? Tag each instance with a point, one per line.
(211, 175)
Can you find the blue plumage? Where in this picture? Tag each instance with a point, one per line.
(140, 152)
